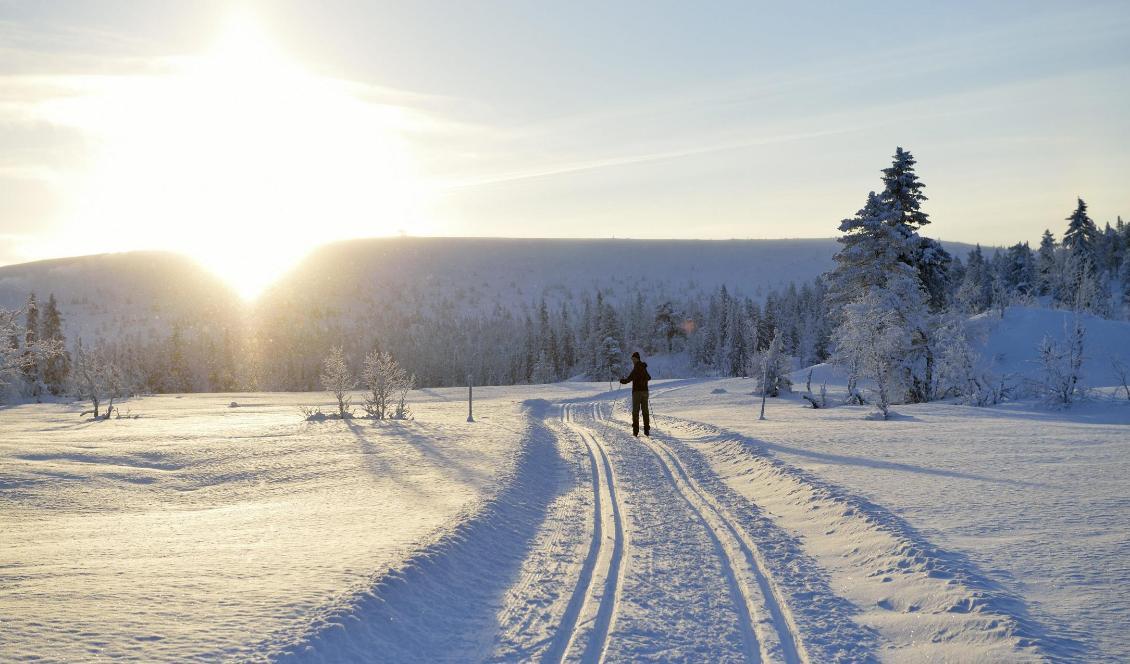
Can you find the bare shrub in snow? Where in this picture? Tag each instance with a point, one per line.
(388, 384)
(312, 414)
(95, 378)
(402, 411)
(1123, 372)
(1061, 367)
(960, 370)
(338, 380)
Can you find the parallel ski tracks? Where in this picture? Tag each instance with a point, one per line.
(591, 611)
(768, 630)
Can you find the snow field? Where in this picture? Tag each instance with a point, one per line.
(1000, 528)
(545, 532)
(203, 532)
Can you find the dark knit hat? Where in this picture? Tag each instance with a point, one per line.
(636, 355)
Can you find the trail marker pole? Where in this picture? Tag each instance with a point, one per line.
(764, 390)
(470, 400)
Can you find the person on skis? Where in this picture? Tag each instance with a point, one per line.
(638, 378)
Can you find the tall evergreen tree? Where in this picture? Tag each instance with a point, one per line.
(1046, 266)
(57, 367)
(976, 292)
(902, 192)
(872, 248)
(32, 369)
(1082, 235)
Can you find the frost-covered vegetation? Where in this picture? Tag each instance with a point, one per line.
(716, 319)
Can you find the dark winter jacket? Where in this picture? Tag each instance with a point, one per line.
(638, 378)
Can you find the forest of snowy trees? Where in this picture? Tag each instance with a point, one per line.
(889, 313)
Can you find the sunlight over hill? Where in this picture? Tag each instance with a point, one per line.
(242, 159)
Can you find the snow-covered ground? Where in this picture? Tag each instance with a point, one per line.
(545, 531)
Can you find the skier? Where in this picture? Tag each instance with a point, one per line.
(638, 378)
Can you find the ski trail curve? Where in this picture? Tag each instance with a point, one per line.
(591, 610)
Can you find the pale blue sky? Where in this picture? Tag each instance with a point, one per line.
(656, 119)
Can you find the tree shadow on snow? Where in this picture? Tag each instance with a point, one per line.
(442, 603)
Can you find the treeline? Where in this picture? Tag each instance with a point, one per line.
(892, 290)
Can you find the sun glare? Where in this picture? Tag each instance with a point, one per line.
(244, 160)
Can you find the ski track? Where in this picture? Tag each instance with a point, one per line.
(647, 554)
(754, 597)
(1001, 628)
(600, 577)
(681, 598)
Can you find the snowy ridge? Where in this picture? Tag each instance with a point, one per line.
(954, 604)
(441, 603)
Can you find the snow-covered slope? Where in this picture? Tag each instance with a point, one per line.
(1009, 344)
(107, 296)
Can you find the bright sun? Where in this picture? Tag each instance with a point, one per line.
(245, 161)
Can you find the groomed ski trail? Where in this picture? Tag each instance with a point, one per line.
(591, 611)
(762, 609)
(682, 541)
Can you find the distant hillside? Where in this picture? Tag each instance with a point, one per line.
(483, 272)
(141, 293)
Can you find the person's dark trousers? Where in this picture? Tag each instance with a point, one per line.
(639, 401)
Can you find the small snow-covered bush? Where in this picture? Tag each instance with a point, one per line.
(338, 379)
(773, 368)
(95, 378)
(388, 385)
(1061, 367)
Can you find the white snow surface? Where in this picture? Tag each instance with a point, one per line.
(545, 531)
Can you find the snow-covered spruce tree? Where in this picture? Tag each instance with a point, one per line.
(1047, 268)
(1061, 366)
(338, 379)
(1124, 279)
(543, 370)
(610, 357)
(1020, 270)
(976, 292)
(668, 325)
(871, 248)
(773, 369)
(903, 197)
(1081, 276)
(1081, 235)
(57, 366)
(32, 370)
(96, 378)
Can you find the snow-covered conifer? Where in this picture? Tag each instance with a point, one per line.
(1081, 237)
(773, 372)
(57, 365)
(1046, 265)
(1124, 285)
(976, 292)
